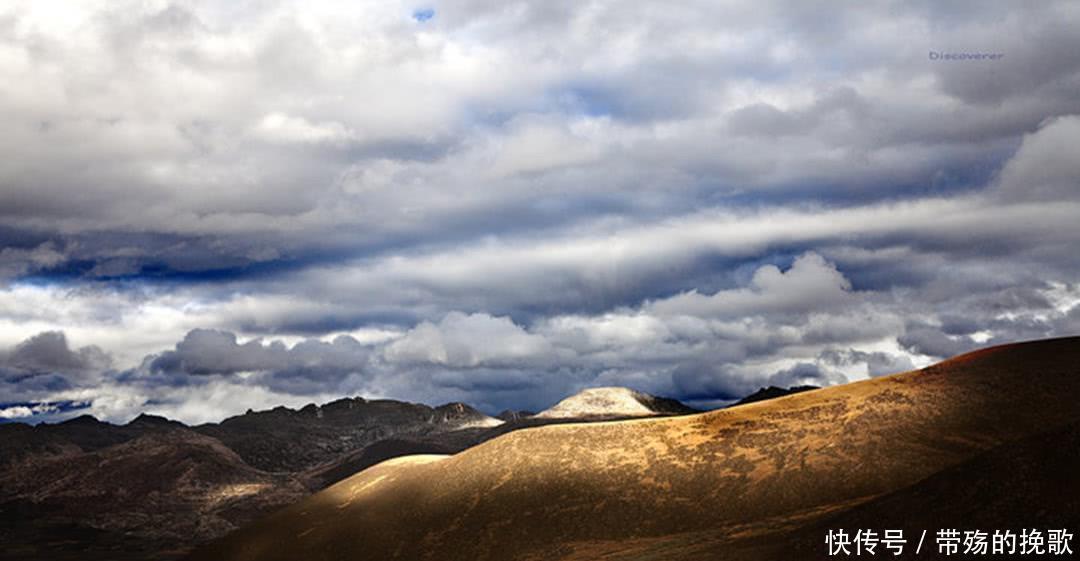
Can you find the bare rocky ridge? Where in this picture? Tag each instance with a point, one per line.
(284, 439)
(81, 434)
(749, 482)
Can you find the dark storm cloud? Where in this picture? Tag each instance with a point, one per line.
(509, 201)
(305, 368)
(205, 351)
(36, 369)
(49, 353)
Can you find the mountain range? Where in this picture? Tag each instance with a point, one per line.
(987, 441)
(152, 488)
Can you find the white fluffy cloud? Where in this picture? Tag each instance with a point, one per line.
(469, 341)
(810, 284)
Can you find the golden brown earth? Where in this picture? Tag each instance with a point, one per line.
(758, 481)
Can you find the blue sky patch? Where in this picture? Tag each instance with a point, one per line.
(423, 14)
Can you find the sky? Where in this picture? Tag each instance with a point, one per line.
(207, 207)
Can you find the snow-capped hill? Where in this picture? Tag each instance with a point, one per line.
(613, 402)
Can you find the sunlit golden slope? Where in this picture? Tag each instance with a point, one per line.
(682, 487)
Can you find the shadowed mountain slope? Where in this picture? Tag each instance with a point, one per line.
(692, 487)
(1033, 482)
(129, 500)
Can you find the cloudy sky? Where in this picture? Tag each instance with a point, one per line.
(207, 206)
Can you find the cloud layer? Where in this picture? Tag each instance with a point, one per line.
(211, 206)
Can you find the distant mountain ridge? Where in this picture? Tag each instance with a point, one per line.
(278, 439)
(773, 392)
(284, 439)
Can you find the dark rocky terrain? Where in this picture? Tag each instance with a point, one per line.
(138, 499)
(987, 440)
(81, 434)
